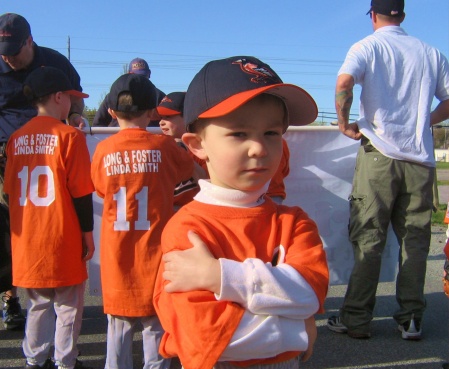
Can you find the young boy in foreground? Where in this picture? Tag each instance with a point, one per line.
(246, 292)
(48, 182)
(135, 172)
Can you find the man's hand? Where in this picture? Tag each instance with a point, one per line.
(76, 120)
(350, 130)
(312, 333)
(192, 269)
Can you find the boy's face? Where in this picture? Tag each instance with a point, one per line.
(172, 125)
(244, 148)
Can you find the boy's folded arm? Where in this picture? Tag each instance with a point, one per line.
(265, 336)
(263, 289)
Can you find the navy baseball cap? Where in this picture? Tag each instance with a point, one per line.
(392, 8)
(46, 80)
(141, 89)
(222, 86)
(14, 31)
(139, 66)
(172, 104)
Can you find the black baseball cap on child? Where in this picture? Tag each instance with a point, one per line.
(172, 104)
(14, 31)
(392, 8)
(222, 86)
(48, 80)
(141, 89)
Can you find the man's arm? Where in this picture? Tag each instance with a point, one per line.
(343, 102)
(440, 113)
(76, 110)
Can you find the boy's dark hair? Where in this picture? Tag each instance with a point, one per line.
(126, 99)
(33, 99)
(143, 92)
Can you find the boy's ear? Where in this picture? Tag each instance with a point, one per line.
(112, 113)
(194, 142)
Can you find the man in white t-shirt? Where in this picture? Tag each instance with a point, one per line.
(399, 75)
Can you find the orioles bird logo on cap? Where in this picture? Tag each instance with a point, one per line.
(261, 74)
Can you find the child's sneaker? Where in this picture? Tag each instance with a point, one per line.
(80, 365)
(49, 364)
(12, 313)
(411, 330)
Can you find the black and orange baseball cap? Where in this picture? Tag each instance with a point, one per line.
(143, 92)
(14, 31)
(47, 80)
(172, 104)
(222, 86)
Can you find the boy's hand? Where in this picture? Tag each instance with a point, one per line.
(192, 269)
(312, 333)
(88, 246)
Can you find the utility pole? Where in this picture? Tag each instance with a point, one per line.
(68, 47)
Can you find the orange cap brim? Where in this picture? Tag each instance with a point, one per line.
(301, 107)
(163, 111)
(77, 93)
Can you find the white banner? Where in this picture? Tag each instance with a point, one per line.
(322, 164)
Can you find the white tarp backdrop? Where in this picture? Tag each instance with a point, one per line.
(321, 168)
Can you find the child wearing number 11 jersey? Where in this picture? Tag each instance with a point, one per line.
(135, 172)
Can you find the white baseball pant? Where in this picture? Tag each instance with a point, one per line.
(44, 305)
(120, 340)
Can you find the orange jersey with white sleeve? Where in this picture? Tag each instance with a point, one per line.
(135, 172)
(274, 276)
(48, 164)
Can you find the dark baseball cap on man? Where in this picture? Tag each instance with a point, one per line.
(44, 81)
(141, 89)
(139, 66)
(392, 8)
(172, 104)
(14, 31)
(222, 86)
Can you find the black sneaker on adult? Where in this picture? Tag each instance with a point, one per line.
(13, 319)
(335, 324)
(411, 330)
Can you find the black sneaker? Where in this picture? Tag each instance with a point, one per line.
(12, 313)
(49, 364)
(80, 365)
(335, 324)
(411, 330)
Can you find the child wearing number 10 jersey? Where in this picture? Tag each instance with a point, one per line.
(135, 172)
(50, 197)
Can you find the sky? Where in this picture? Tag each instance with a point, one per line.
(305, 42)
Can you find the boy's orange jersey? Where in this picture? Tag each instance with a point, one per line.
(135, 172)
(198, 327)
(48, 164)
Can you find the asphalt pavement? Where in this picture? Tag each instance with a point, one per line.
(385, 349)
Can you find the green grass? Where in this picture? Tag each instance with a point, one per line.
(442, 165)
(438, 216)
